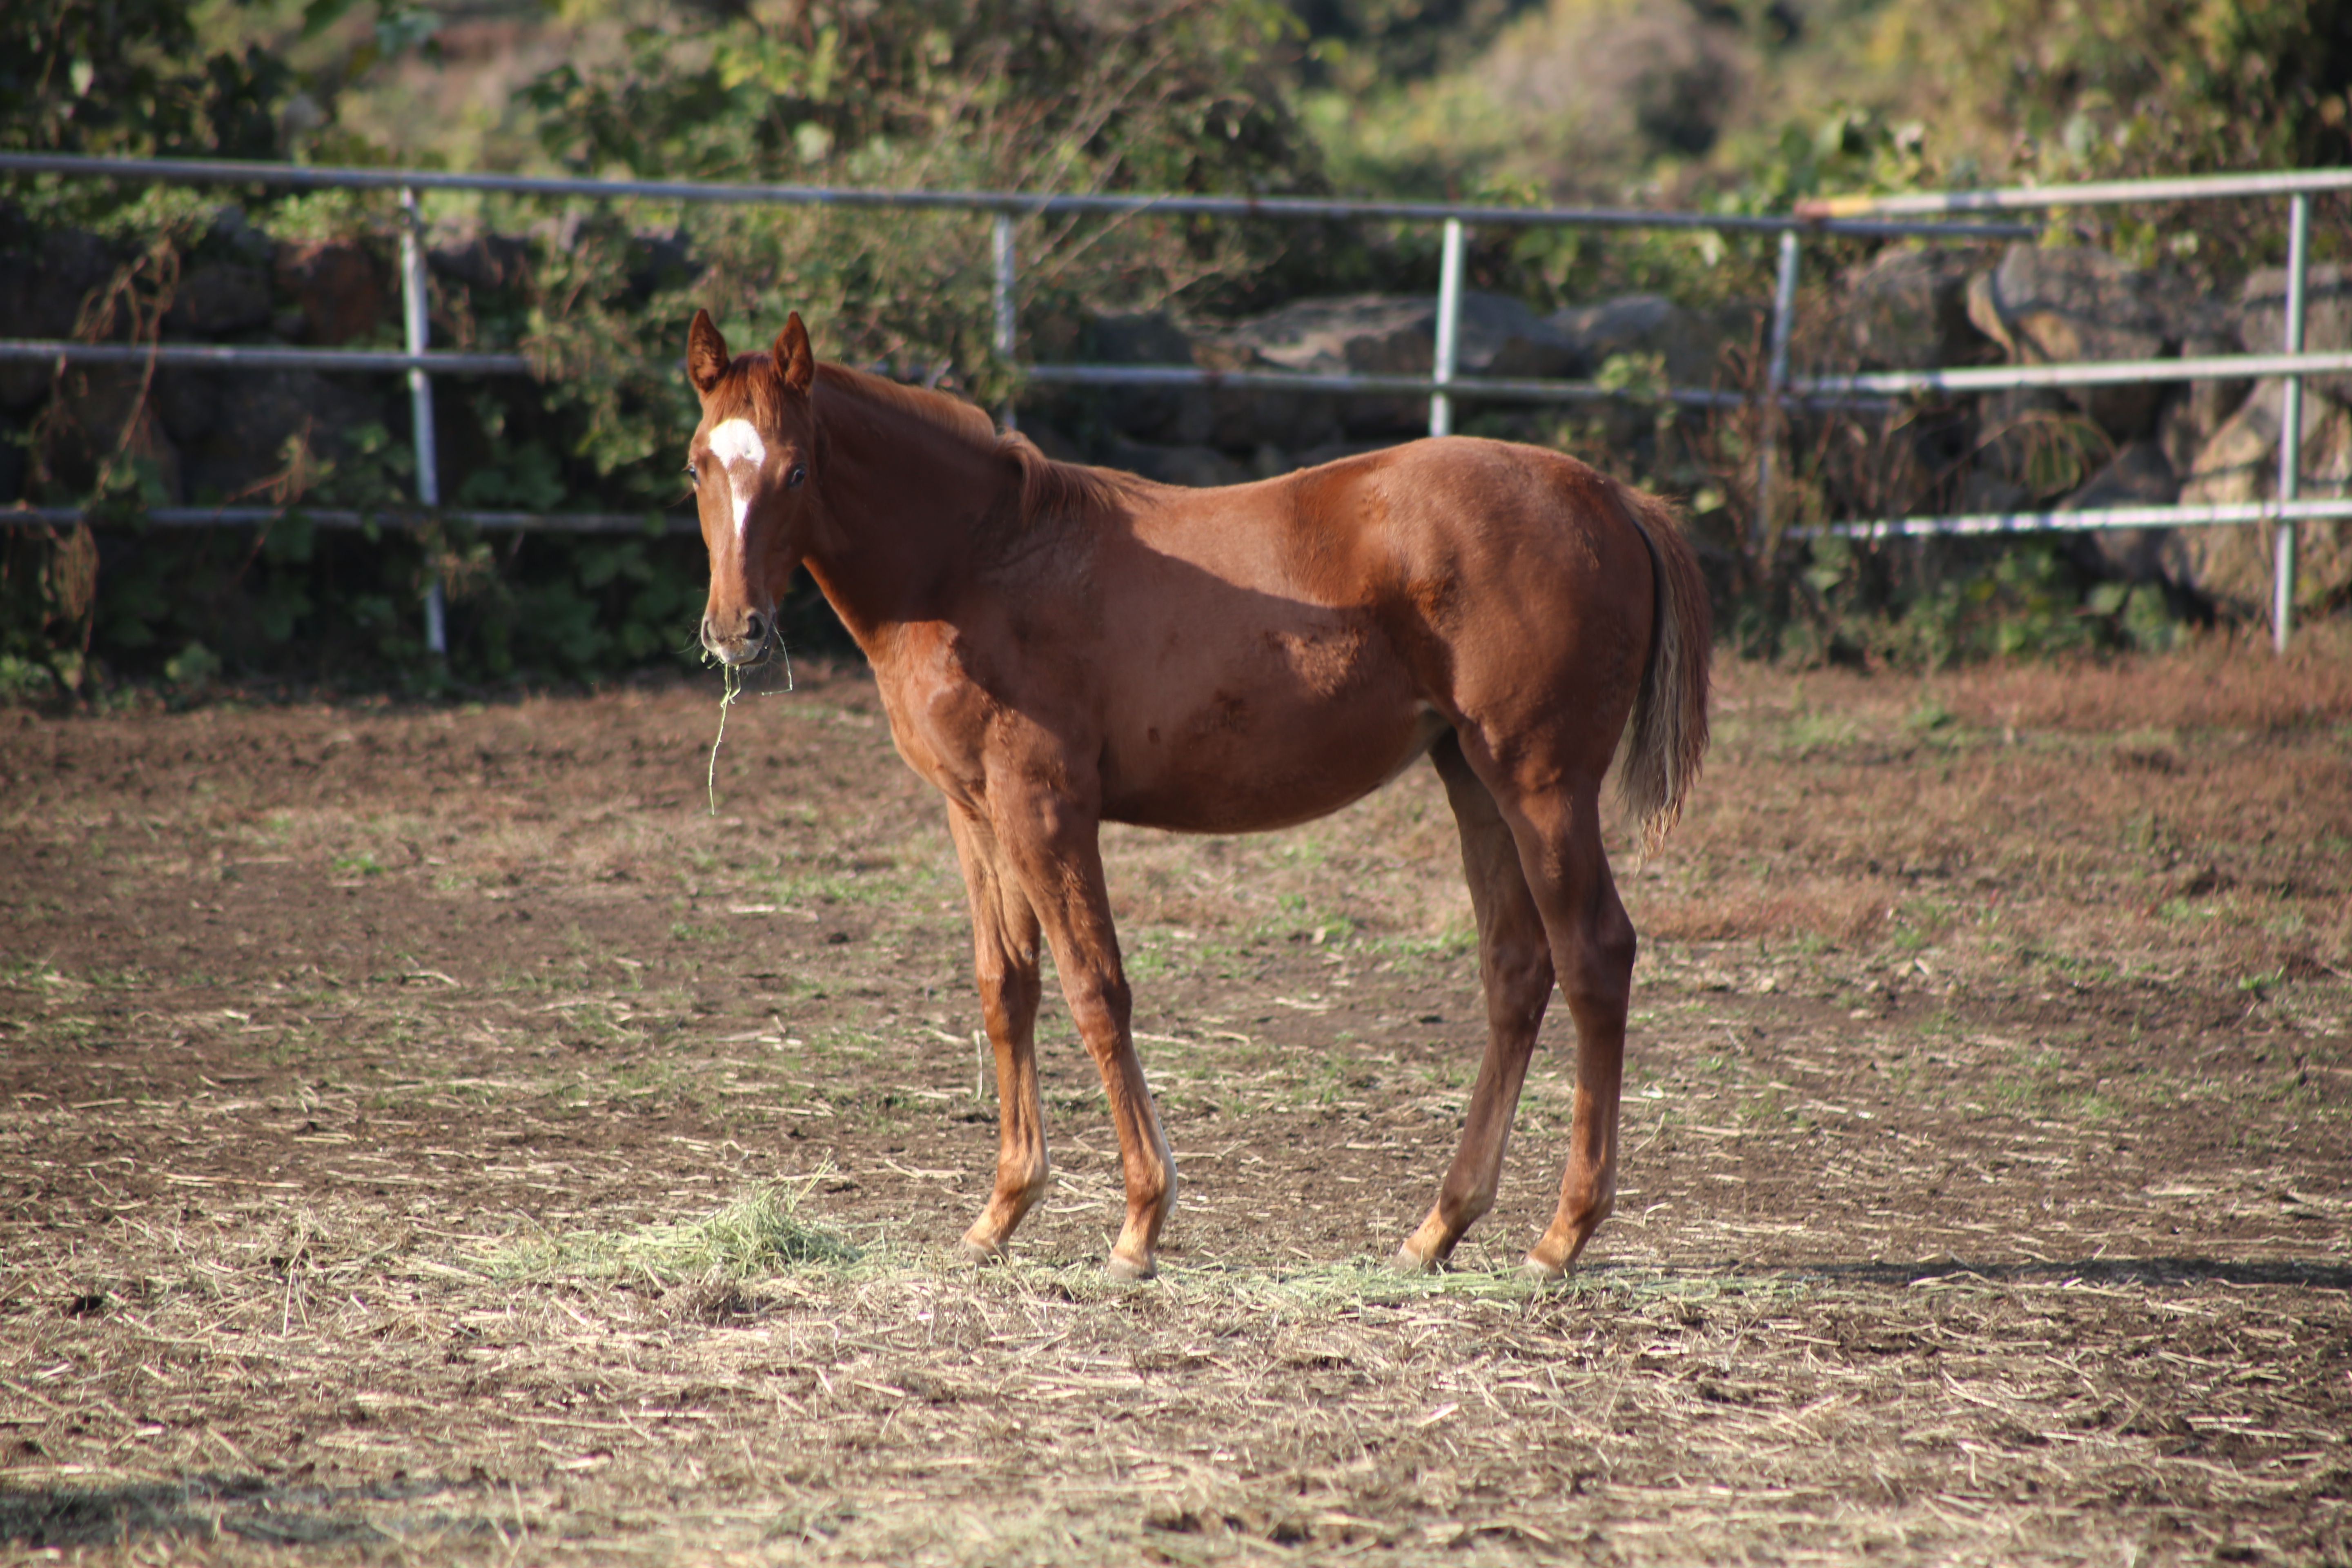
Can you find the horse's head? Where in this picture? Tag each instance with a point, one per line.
(750, 461)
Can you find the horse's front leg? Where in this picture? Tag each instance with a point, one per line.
(1053, 843)
(1004, 965)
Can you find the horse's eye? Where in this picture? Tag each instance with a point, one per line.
(692, 475)
(793, 480)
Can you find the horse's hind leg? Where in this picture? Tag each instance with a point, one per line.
(1592, 947)
(1004, 963)
(1515, 966)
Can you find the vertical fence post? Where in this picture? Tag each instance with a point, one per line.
(1449, 321)
(1006, 322)
(420, 402)
(1776, 372)
(2298, 248)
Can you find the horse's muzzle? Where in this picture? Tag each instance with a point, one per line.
(746, 642)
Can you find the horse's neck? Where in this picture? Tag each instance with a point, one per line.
(904, 494)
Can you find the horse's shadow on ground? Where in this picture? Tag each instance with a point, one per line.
(2148, 1271)
(206, 1507)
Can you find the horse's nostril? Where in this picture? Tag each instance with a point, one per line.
(755, 628)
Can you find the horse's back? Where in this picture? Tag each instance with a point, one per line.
(1294, 639)
(1349, 530)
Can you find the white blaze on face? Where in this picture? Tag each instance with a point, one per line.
(737, 446)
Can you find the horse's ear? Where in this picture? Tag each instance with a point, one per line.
(792, 355)
(706, 353)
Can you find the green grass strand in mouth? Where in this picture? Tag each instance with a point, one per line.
(734, 688)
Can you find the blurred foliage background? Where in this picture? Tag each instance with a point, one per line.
(1729, 105)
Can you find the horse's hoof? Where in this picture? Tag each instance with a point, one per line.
(1536, 1268)
(978, 1254)
(1408, 1261)
(1128, 1270)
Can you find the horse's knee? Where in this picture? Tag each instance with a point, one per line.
(1008, 1013)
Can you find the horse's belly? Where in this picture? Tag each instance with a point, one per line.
(1245, 772)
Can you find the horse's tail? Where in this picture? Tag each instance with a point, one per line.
(1667, 735)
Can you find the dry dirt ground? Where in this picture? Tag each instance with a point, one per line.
(369, 1078)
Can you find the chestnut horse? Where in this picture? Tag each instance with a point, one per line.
(1059, 645)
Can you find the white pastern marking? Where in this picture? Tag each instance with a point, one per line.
(736, 444)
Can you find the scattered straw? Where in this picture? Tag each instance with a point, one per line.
(762, 1233)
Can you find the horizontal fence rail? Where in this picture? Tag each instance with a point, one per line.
(1018, 202)
(2102, 373)
(386, 517)
(2097, 193)
(2190, 514)
(1928, 215)
(226, 356)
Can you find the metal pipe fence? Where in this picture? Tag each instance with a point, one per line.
(419, 364)
(1894, 216)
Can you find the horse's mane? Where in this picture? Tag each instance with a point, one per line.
(1048, 491)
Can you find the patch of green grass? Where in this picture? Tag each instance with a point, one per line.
(1454, 942)
(779, 988)
(830, 888)
(289, 1048)
(2151, 835)
(1808, 730)
(838, 1040)
(765, 1232)
(1154, 952)
(1919, 922)
(1301, 848)
(1930, 716)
